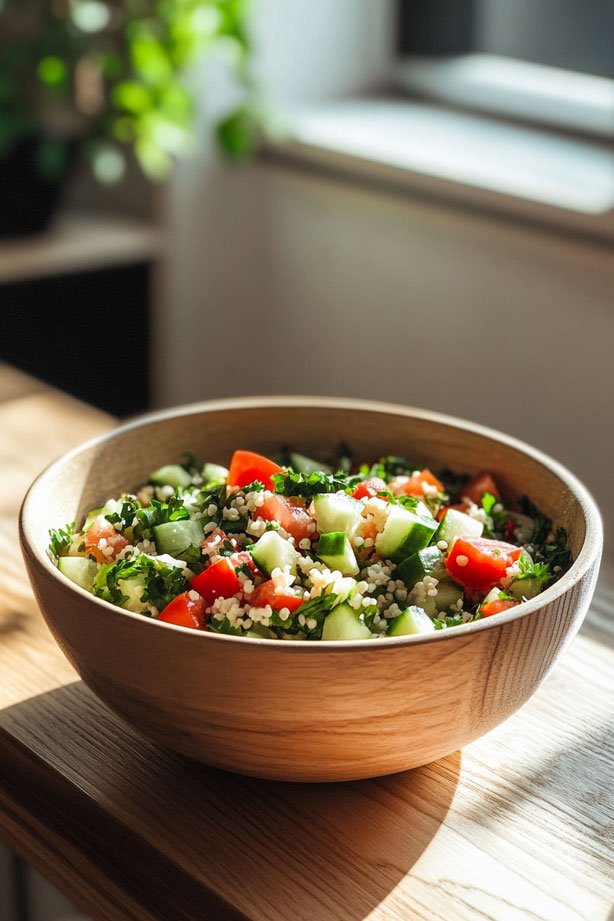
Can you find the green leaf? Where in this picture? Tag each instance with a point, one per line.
(162, 582)
(239, 134)
(132, 97)
(60, 539)
(291, 483)
(52, 72)
(542, 572)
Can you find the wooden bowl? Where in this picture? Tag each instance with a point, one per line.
(309, 711)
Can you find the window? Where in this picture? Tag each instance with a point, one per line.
(570, 34)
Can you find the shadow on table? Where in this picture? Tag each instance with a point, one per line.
(161, 825)
(578, 779)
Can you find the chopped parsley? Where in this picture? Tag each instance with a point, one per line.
(531, 570)
(60, 539)
(161, 582)
(303, 485)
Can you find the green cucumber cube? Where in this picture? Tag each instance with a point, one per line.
(411, 622)
(306, 465)
(344, 623)
(272, 552)
(456, 524)
(79, 569)
(171, 475)
(336, 512)
(174, 537)
(214, 474)
(404, 533)
(426, 562)
(335, 550)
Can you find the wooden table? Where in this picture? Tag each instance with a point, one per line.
(517, 826)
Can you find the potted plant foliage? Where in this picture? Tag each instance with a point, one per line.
(100, 79)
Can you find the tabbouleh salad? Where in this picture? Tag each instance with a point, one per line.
(295, 549)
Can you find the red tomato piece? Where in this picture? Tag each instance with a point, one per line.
(266, 594)
(185, 612)
(479, 564)
(369, 488)
(218, 581)
(479, 485)
(496, 607)
(292, 516)
(246, 467)
(420, 484)
(101, 528)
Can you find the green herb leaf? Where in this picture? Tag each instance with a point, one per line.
(531, 570)
(162, 582)
(290, 483)
(60, 539)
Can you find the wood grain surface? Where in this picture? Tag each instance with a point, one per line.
(519, 825)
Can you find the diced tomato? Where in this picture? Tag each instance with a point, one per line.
(101, 528)
(246, 467)
(266, 594)
(496, 607)
(218, 581)
(480, 484)
(369, 488)
(185, 612)
(479, 564)
(291, 515)
(421, 483)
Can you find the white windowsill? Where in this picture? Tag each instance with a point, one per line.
(467, 157)
(512, 88)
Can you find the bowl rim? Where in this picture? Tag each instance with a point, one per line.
(589, 554)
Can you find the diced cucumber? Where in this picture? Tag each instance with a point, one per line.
(133, 589)
(79, 569)
(456, 524)
(404, 533)
(213, 474)
(307, 465)
(336, 512)
(525, 588)
(448, 593)
(174, 537)
(426, 562)
(411, 622)
(335, 550)
(171, 475)
(344, 623)
(272, 552)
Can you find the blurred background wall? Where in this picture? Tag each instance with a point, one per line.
(326, 271)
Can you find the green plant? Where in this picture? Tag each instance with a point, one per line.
(108, 75)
